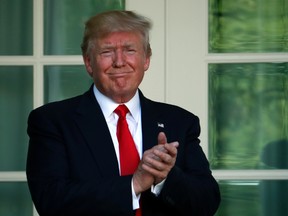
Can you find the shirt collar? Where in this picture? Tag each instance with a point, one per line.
(108, 106)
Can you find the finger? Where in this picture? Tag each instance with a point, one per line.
(175, 144)
(156, 167)
(162, 138)
(165, 157)
(171, 148)
(155, 172)
(160, 147)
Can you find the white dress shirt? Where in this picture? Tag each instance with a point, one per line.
(134, 122)
(135, 126)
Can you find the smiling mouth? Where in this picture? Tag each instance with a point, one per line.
(119, 74)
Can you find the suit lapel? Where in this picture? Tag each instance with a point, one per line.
(93, 126)
(150, 123)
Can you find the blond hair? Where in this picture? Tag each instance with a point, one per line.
(105, 23)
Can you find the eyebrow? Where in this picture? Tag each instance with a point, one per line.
(112, 46)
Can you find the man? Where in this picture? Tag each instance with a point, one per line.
(74, 164)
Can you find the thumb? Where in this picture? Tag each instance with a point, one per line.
(162, 138)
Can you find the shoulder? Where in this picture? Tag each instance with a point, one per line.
(67, 104)
(167, 110)
(172, 119)
(59, 109)
(58, 106)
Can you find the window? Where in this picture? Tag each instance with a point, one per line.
(248, 104)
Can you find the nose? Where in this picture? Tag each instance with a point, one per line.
(119, 59)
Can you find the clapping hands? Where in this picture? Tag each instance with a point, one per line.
(155, 165)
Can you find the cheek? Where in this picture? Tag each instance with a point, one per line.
(100, 72)
(102, 65)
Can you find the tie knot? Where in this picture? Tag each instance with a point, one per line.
(121, 110)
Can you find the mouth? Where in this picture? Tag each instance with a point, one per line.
(119, 73)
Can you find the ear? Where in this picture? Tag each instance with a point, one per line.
(146, 63)
(87, 62)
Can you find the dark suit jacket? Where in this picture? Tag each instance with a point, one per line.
(72, 168)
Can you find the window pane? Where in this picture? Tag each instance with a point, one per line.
(248, 26)
(61, 82)
(64, 23)
(250, 198)
(248, 116)
(16, 24)
(15, 200)
(16, 101)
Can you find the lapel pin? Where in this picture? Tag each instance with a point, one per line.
(160, 125)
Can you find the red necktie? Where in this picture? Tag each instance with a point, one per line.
(129, 157)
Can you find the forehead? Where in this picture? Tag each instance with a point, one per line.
(120, 39)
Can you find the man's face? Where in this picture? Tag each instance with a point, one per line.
(118, 65)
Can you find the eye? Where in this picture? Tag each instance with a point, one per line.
(106, 53)
(130, 51)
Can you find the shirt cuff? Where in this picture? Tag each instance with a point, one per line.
(135, 198)
(156, 189)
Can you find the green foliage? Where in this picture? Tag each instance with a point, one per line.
(248, 108)
(248, 26)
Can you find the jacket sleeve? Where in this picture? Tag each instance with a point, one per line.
(53, 189)
(190, 187)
